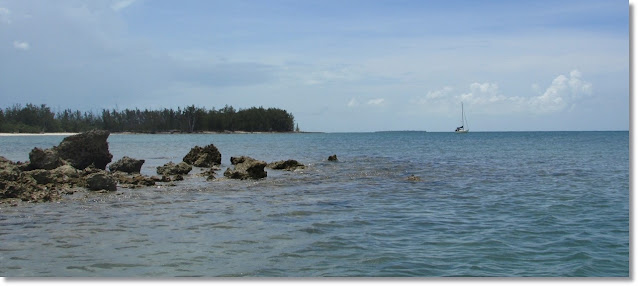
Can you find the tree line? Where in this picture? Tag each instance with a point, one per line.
(36, 119)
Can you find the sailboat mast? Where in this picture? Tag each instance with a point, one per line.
(462, 113)
(463, 128)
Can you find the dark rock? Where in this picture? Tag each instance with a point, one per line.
(239, 160)
(41, 176)
(47, 159)
(101, 181)
(210, 173)
(161, 179)
(43, 185)
(171, 168)
(333, 158)
(15, 184)
(66, 171)
(90, 170)
(127, 165)
(8, 170)
(288, 165)
(246, 168)
(133, 180)
(18, 184)
(64, 176)
(23, 166)
(67, 176)
(27, 189)
(143, 180)
(413, 178)
(15, 188)
(166, 179)
(40, 195)
(86, 149)
(207, 156)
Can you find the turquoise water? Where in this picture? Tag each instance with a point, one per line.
(489, 204)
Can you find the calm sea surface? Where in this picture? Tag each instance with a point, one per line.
(489, 204)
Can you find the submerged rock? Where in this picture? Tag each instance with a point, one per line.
(207, 156)
(413, 178)
(288, 165)
(127, 165)
(163, 178)
(246, 168)
(133, 180)
(86, 149)
(171, 168)
(210, 173)
(333, 158)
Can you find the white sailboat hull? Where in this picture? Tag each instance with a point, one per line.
(462, 131)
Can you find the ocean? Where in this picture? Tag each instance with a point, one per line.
(497, 204)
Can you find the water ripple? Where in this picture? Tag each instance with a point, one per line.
(512, 207)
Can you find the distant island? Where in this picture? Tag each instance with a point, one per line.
(40, 119)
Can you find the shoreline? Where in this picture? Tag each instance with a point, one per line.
(207, 132)
(37, 134)
(292, 132)
(149, 133)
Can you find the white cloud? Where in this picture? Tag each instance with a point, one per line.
(21, 45)
(483, 93)
(536, 88)
(92, 41)
(312, 82)
(487, 98)
(563, 92)
(4, 15)
(376, 101)
(353, 102)
(436, 101)
(121, 4)
(488, 88)
(333, 74)
(372, 102)
(441, 93)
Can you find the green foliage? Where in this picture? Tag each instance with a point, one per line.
(31, 118)
(35, 119)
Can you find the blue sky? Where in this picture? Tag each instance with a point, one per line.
(338, 66)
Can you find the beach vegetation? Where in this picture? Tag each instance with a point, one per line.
(33, 118)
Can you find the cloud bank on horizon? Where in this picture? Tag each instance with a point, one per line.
(336, 65)
(564, 93)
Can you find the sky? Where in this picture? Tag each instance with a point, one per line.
(336, 65)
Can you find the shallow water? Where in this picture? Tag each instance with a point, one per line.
(488, 204)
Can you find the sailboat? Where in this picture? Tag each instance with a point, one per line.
(462, 128)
